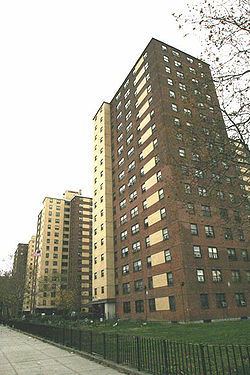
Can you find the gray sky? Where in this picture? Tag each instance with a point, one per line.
(59, 61)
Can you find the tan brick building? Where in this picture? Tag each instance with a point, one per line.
(62, 258)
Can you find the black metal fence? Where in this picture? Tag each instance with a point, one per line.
(155, 356)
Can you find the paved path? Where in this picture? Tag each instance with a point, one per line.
(24, 355)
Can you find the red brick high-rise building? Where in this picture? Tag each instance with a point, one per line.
(169, 206)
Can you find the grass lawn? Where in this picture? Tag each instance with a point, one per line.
(230, 332)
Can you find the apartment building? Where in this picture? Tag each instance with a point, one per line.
(18, 273)
(168, 235)
(63, 254)
(29, 276)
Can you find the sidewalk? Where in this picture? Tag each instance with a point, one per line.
(24, 355)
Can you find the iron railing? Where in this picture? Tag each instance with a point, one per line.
(152, 355)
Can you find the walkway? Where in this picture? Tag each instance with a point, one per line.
(24, 355)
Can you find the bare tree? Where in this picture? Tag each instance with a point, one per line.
(224, 29)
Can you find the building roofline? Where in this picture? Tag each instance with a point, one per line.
(104, 102)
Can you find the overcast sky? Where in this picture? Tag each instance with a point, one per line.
(59, 60)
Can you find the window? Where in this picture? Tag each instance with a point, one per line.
(120, 150)
(206, 211)
(144, 204)
(177, 121)
(200, 275)
(131, 166)
(129, 126)
(171, 303)
(197, 251)
(194, 229)
(135, 228)
(232, 197)
(163, 212)
(165, 234)
(102, 273)
(241, 235)
(182, 152)
(158, 176)
(216, 276)
(184, 170)
(236, 276)
(182, 87)
(244, 254)
(102, 289)
(137, 265)
(220, 194)
(155, 143)
(168, 70)
(134, 212)
(151, 304)
(221, 300)
(160, 194)
(122, 204)
(124, 252)
(204, 301)
(180, 75)
(248, 276)
(177, 63)
(121, 161)
(126, 288)
(133, 196)
(132, 181)
(130, 139)
(224, 213)
(136, 246)
(138, 285)
(174, 108)
(150, 282)
(125, 269)
(199, 173)
(209, 231)
(146, 222)
(172, 94)
(240, 299)
(124, 235)
(213, 253)
(139, 306)
(121, 175)
(126, 94)
(237, 216)
(202, 191)
(122, 189)
(228, 233)
(165, 58)
(130, 152)
(170, 82)
(149, 264)
(167, 255)
(187, 188)
(127, 104)
(187, 112)
(195, 156)
(126, 307)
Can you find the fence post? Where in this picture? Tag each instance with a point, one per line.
(80, 340)
(63, 335)
(91, 342)
(104, 346)
(165, 355)
(203, 363)
(117, 348)
(138, 354)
